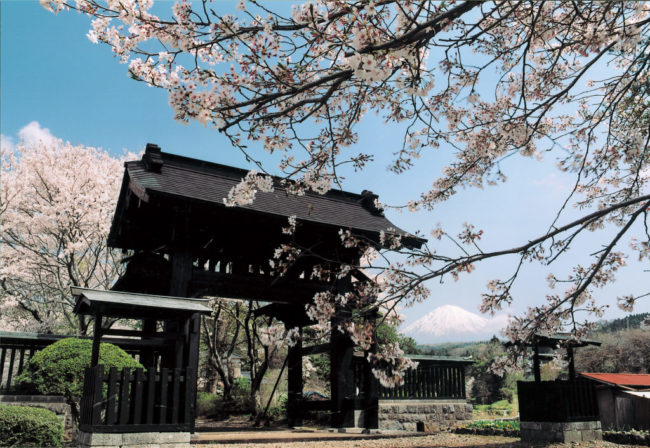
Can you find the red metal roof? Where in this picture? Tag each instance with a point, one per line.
(621, 379)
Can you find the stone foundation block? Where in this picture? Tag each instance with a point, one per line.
(99, 439)
(133, 440)
(431, 426)
(427, 415)
(565, 432)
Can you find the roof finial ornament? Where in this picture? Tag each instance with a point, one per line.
(369, 202)
(152, 159)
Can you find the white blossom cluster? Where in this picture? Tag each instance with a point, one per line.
(244, 192)
(486, 81)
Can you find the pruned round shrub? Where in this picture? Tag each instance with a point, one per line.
(60, 366)
(29, 427)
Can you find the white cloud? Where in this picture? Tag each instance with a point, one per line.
(552, 182)
(6, 143)
(33, 133)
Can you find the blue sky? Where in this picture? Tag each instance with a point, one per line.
(51, 74)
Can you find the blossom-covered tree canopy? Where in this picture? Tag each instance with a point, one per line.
(57, 203)
(484, 80)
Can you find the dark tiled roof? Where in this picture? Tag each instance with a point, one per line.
(169, 174)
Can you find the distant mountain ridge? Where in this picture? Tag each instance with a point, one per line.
(623, 323)
(450, 323)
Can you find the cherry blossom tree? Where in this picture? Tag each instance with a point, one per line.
(485, 81)
(57, 203)
(221, 335)
(235, 327)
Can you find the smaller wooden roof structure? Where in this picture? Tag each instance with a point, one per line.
(549, 342)
(564, 339)
(135, 306)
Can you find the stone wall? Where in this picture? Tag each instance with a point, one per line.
(135, 439)
(55, 403)
(564, 432)
(432, 415)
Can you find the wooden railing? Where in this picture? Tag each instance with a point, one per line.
(429, 382)
(134, 400)
(557, 401)
(15, 351)
(17, 348)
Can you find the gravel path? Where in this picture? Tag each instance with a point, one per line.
(432, 441)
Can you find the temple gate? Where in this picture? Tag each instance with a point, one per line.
(187, 243)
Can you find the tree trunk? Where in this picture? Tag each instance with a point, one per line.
(255, 403)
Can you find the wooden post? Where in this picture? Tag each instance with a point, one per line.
(294, 383)
(111, 395)
(181, 273)
(536, 370)
(192, 367)
(370, 386)
(180, 281)
(146, 355)
(341, 369)
(3, 352)
(97, 336)
(371, 396)
(462, 382)
(572, 369)
(182, 340)
(96, 400)
(11, 368)
(342, 380)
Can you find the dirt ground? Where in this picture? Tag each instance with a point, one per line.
(432, 441)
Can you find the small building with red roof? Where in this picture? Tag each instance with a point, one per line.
(623, 399)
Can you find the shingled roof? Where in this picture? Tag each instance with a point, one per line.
(160, 173)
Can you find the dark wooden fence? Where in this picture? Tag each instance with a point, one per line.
(431, 380)
(17, 348)
(135, 400)
(557, 401)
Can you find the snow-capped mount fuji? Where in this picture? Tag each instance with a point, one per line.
(449, 323)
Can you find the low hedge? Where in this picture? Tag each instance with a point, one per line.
(631, 437)
(29, 427)
(506, 428)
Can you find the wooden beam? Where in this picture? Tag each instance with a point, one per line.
(320, 405)
(256, 286)
(119, 332)
(315, 349)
